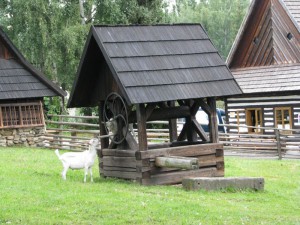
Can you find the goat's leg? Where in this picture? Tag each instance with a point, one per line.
(64, 172)
(85, 173)
(91, 173)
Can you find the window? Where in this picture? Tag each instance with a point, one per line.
(283, 118)
(21, 115)
(254, 120)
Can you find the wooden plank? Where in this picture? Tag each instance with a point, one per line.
(123, 169)
(121, 174)
(73, 117)
(177, 177)
(74, 130)
(119, 161)
(118, 153)
(191, 150)
(72, 124)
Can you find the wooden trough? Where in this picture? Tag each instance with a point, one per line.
(136, 74)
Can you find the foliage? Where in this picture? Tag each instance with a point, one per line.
(51, 34)
(32, 192)
(220, 18)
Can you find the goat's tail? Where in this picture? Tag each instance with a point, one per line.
(57, 153)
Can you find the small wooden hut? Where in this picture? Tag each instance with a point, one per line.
(159, 72)
(265, 62)
(22, 89)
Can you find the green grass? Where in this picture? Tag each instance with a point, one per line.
(32, 192)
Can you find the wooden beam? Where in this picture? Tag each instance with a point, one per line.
(149, 109)
(164, 114)
(202, 134)
(213, 121)
(141, 124)
(182, 136)
(205, 107)
(104, 141)
(133, 145)
(185, 151)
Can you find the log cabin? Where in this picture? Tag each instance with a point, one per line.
(265, 62)
(136, 74)
(22, 89)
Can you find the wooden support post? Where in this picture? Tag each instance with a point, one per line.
(278, 142)
(213, 121)
(104, 141)
(172, 126)
(141, 124)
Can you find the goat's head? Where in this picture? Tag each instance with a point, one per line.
(112, 126)
(94, 142)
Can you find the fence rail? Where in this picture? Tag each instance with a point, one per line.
(73, 132)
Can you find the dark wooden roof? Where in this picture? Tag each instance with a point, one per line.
(18, 78)
(263, 38)
(266, 54)
(150, 64)
(279, 78)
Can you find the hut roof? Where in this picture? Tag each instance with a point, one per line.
(269, 35)
(150, 64)
(266, 54)
(19, 79)
(277, 78)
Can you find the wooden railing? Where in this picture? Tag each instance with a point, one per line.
(70, 132)
(73, 132)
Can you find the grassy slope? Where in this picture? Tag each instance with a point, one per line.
(32, 192)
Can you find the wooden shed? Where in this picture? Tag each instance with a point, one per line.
(22, 89)
(265, 62)
(137, 74)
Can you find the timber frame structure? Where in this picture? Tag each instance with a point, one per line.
(163, 72)
(265, 62)
(22, 89)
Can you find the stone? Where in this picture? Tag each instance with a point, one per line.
(218, 183)
(10, 143)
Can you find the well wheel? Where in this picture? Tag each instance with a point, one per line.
(115, 117)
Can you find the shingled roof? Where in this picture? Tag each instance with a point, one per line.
(266, 54)
(151, 64)
(19, 79)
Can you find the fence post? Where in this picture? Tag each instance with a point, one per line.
(277, 133)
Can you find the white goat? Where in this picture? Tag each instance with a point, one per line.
(79, 160)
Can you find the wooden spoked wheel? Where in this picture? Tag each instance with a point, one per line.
(115, 117)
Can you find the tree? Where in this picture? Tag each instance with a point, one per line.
(220, 18)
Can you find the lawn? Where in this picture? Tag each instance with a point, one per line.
(32, 192)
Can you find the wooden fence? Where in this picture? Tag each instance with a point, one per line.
(73, 132)
(70, 132)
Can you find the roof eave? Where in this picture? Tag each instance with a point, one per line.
(28, 66)
(240, 33)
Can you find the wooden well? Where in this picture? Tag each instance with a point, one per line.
(162, 72)
(140, 165)
(137, 160)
